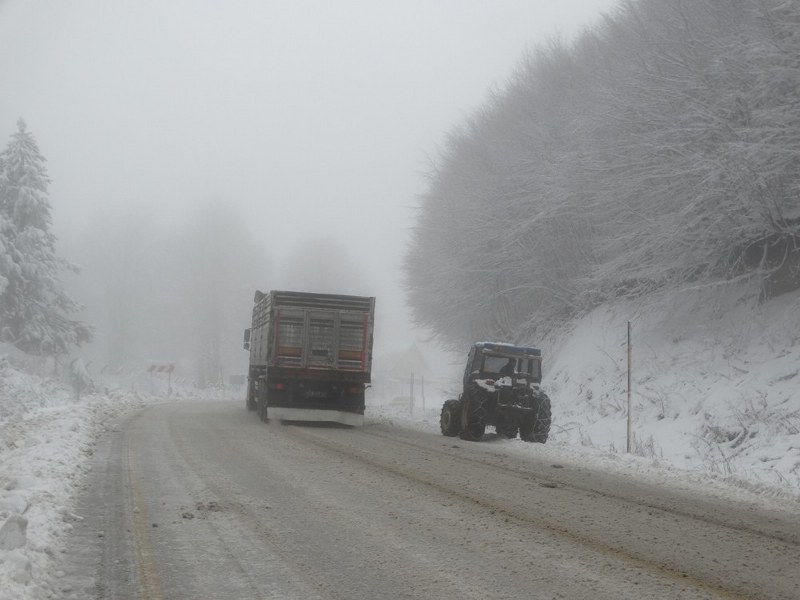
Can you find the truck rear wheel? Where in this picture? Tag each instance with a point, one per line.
(536, 427)
(250, 401)
(450, 419)
(260, 411)
(262, 402)
(473, 418)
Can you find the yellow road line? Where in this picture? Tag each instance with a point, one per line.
(149, 581)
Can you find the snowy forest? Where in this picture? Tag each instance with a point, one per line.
(659, 150)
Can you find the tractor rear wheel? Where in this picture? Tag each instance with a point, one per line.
(536, 427)
(473, 418)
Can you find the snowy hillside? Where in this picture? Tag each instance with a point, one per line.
(715, 383)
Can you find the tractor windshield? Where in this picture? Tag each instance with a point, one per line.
(497, 365)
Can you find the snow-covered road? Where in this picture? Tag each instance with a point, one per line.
(202, 500)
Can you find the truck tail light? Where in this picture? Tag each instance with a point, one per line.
(279, 386)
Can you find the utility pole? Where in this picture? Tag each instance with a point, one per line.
(629, 387)
(411, 395)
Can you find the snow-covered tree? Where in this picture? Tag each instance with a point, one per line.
(34, 309)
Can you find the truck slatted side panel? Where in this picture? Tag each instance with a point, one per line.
(259, 336)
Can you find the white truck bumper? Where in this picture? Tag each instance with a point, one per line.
(281, 413)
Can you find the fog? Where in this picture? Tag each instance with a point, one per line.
(303, 128)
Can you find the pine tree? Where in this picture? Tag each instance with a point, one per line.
(34, 309)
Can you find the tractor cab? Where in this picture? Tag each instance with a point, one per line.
(494, 361)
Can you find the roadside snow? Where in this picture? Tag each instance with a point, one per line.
(47, 436)
(656, 471)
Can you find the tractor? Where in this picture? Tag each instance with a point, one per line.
(501, 390)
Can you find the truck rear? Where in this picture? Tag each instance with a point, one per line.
(310, 356)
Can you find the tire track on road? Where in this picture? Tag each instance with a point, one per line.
(750, 528)
(682, 573)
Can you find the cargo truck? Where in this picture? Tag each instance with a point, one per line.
(310, 356)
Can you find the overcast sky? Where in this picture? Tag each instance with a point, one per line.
(311, 118)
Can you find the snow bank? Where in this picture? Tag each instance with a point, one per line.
(47, 435)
